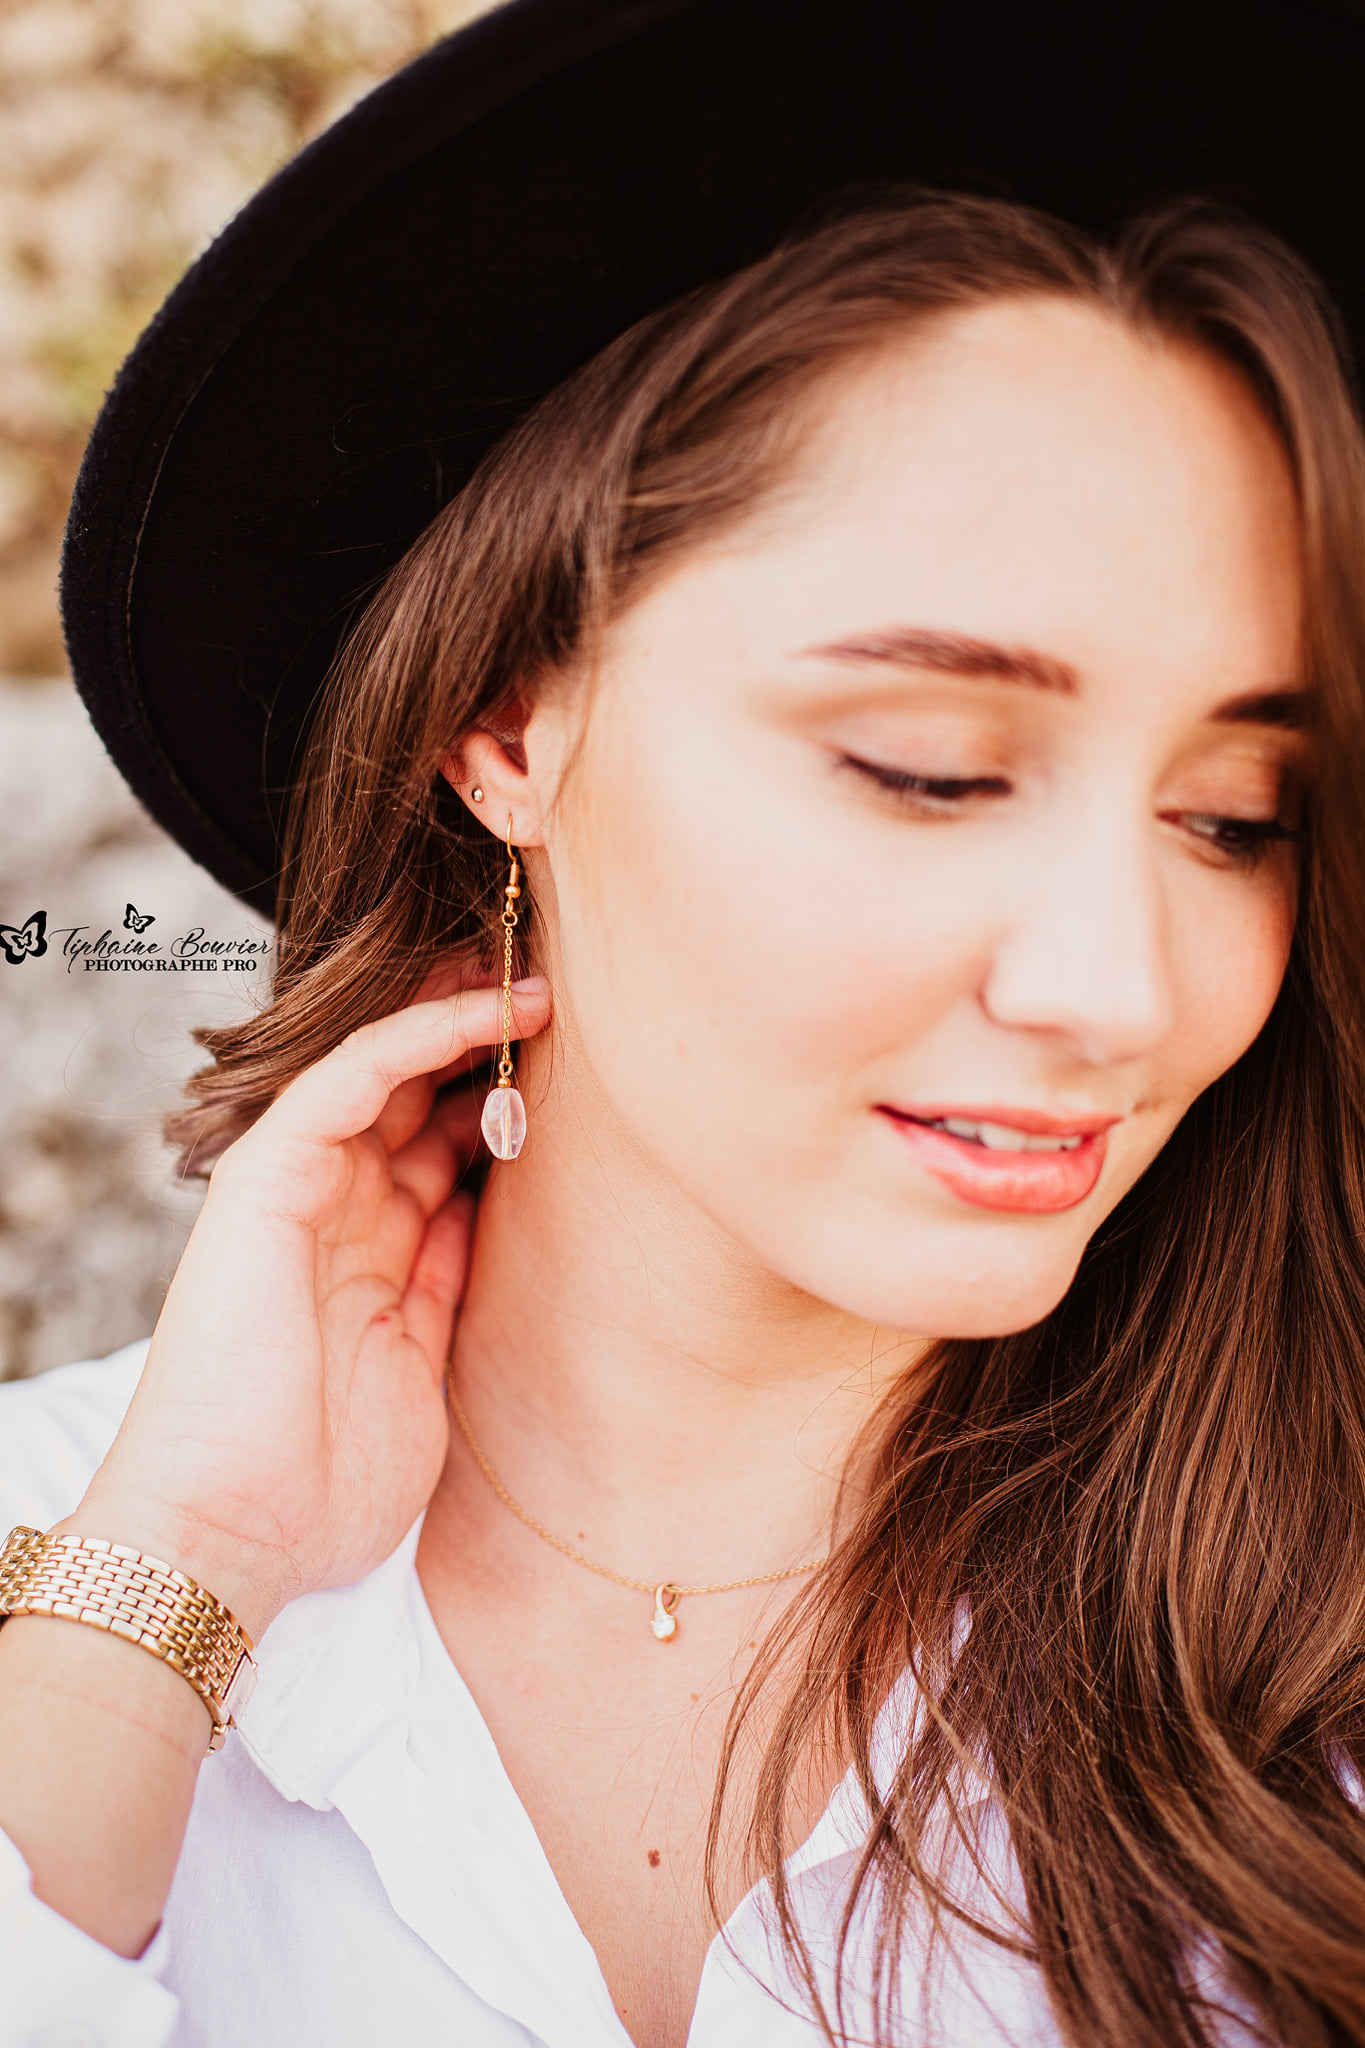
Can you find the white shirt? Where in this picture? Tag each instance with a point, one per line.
(358, 1870)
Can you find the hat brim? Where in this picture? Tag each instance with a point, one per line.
(328, 374)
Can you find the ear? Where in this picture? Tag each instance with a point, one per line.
(509, 729)
(492, 760)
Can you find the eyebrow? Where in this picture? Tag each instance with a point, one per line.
(959, 654)
(954, 654)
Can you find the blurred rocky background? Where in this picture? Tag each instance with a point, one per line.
(130, 130)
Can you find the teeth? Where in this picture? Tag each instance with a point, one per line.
(1000, 1137)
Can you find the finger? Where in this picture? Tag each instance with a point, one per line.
(405, 1112)
(427, 1167)
(458, 1114)
(433, 1161)
(408, 1108)
(437, 1280)
(448, 977)
(345, 1092)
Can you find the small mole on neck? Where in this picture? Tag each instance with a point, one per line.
(653, 1859)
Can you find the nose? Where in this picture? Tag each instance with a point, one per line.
(1086, 952)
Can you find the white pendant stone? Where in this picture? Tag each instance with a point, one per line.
(503, 1122)
(664, 1623)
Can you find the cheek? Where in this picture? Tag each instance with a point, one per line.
(713, 949)
(1229, 952)
(745, 978)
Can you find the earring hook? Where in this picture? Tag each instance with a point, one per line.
(509, 835)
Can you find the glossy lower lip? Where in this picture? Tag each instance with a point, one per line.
(1033, 1183)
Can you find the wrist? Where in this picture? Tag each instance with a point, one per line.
(249, 1582)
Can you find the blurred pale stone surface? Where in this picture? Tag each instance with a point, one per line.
(92, 1215)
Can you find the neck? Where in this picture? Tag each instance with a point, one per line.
(640, 1382)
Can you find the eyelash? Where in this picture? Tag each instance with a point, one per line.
(947, 790)
(1242, 841)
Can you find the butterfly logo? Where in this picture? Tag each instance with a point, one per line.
(21, 940)
(137, 920)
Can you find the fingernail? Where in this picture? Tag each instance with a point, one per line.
(534, 985)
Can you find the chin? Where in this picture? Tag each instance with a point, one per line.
(985, 1290)
(977, 1320)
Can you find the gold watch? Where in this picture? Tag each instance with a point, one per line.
(142, 1599)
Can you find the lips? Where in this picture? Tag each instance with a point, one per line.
(1025, 1160)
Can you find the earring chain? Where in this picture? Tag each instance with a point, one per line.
(509, 924)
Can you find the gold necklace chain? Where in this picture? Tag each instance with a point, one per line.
(666, 1595)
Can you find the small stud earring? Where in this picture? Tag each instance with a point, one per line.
(477, 794)
(503, 1122)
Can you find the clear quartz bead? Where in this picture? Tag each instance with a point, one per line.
(503, 1122)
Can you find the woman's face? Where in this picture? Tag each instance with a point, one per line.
(919, 867)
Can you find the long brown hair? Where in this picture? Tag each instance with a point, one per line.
(1151, 1506)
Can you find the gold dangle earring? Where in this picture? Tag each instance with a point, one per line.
(504, 1113)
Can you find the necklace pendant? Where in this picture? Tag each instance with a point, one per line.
(665, 1622)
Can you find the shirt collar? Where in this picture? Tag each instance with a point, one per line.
(359, 1706)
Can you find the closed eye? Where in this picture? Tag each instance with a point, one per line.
(928, 790)
(1242, 840)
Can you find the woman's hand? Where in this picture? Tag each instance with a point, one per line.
(290, 1424)
(287, 1430)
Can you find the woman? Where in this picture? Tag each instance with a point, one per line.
(902, 1436)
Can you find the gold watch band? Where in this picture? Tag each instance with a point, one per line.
(81, 1578)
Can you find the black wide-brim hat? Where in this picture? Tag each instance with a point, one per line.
(330, 371)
